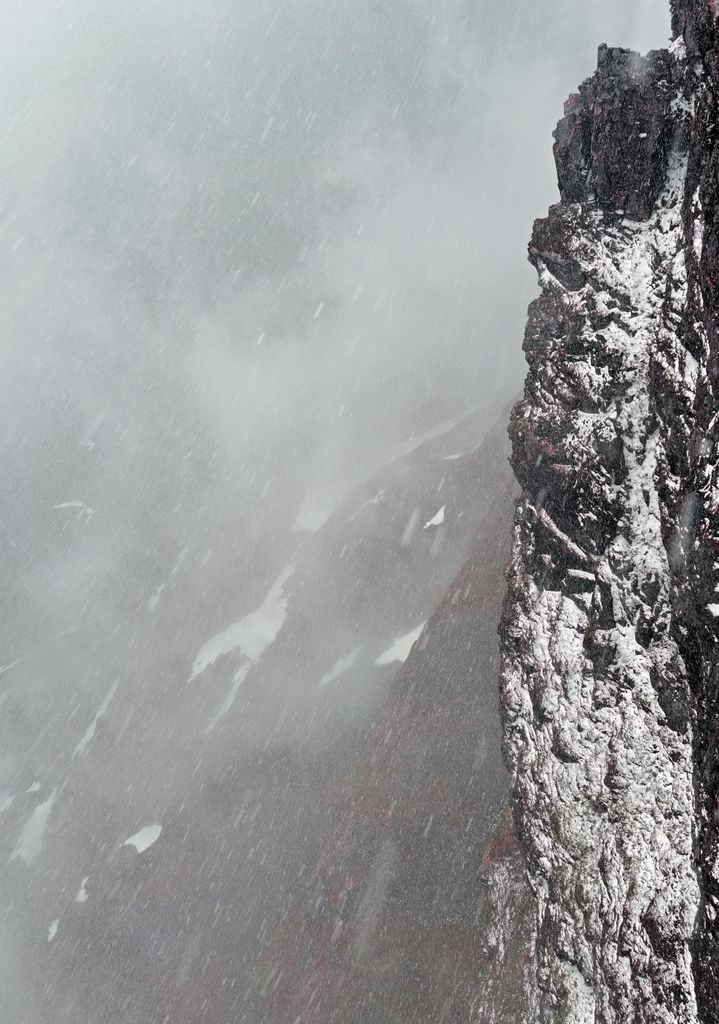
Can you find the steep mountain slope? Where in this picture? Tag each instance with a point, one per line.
(609, 630)
(416, 907)
(159, 838)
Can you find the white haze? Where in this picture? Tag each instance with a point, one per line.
(245, 249)
(249, 254)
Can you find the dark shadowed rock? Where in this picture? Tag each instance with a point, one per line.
(611, 147)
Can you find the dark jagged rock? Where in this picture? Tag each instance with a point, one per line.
(612, 145)
(610, 666)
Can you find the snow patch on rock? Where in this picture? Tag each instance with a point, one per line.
(145, 838)
(400, 649)
(32, 837)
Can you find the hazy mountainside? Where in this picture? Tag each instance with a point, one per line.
(416, 907)
(160, 841)
(609, 632)
(262, 289)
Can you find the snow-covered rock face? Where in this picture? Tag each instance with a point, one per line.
(609, 637)
(692, 492)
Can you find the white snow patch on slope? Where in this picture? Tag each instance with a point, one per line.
(81, 749)
(52, 930)
(145, 838)
(399, 651)
(714, 609)
(82, 896)
(436, 520)
(6, 800)
(29, 845)
(253, 634)
(339, 668)
(250, 637)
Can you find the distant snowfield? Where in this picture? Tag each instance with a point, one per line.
(30, 844)
(400, 649)
(339, 668)
(143, 839)
(250, 637)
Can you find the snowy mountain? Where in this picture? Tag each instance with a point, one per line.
(160, 839)
(263, 288)
(609, 631)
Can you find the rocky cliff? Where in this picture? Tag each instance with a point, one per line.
(609, 633)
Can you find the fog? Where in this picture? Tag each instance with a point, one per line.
(254, 257)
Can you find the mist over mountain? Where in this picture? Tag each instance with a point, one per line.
(263, 287)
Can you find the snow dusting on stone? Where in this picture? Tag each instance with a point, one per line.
(595, 693)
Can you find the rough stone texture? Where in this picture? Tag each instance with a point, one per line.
(617, 171)
(694, 533)
(609, 634)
